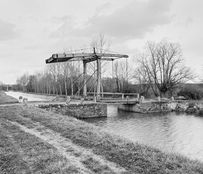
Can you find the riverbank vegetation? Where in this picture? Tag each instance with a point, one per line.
(161, 67)
(21, 152)
(27, 133)
(191, 92)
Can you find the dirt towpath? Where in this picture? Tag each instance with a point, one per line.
(82, 158)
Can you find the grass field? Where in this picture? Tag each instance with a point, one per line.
(37, 141)
(5, 99)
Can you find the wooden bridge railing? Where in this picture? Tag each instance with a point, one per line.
(114, 94)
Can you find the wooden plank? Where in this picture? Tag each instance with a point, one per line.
(88, 57)
(111, 55)
(74, 55)
(55, 60)
(116, 93)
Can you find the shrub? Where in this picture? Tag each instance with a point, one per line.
(200, 112)
(191, 92)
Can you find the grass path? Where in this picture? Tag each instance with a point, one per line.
(80, 157)
(21, 153)
(44, 142)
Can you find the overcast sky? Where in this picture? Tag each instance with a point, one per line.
(31, 30)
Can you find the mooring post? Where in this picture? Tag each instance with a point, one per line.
(84, 79)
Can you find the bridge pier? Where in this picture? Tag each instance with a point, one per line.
(81, 111)
(98, 78)
(84, 79)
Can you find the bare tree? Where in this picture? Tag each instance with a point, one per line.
(141, 78)
(121, 71)
(163, 66)
(117, 76)
(99, 44)
(23, 81)
(122, 74)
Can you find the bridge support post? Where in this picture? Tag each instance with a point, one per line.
(84, 79)
(98, 78)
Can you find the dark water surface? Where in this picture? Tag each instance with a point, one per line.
(169, 132)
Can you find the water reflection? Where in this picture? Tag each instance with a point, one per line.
(169, 132)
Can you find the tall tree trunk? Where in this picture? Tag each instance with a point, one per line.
(65, 87)
(60, 89)
(71, 81)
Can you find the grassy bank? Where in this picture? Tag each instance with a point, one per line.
(103, 152)
(21, 152)
(5, 99)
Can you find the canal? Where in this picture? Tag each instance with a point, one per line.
(179, 133)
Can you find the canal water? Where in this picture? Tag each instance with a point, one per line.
(171, 132)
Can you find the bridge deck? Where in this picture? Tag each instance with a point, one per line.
(120, 101)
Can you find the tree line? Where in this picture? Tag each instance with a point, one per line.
(158, 71)
(67, 79)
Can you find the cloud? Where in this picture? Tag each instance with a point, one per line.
(65, 26)
(133, 20)
(7, 30)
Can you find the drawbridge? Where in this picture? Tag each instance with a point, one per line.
(87, 57)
